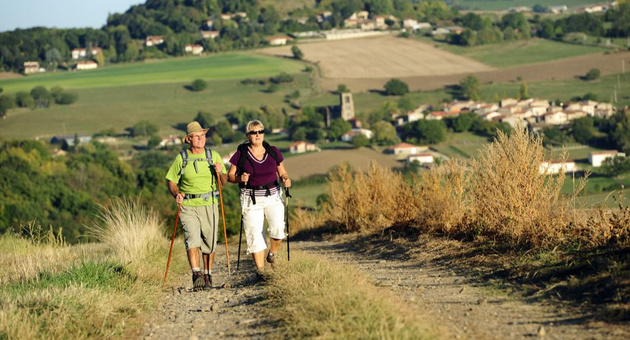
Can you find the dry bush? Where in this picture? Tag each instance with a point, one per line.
(512, 200)
(368, 201)
(130, 229)
(443, 197)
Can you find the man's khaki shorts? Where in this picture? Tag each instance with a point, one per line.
(200, 226)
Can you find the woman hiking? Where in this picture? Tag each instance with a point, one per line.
(256, 167)
(192, 180)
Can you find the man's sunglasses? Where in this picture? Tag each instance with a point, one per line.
(259, 132)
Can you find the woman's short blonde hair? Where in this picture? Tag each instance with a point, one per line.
(253, 123)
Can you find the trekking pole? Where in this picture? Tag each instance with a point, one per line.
(240, 238)
(168, 263)
(227, 251)
(286, 211)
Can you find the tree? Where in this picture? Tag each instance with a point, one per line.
(583, 129)
(341, 88)
(6, 103)
(297, 53)
(425, 131)
(198, 85)
(592, 74)
(522, 92)
(41, 96)
(396, 87)
(616, 166)
(406, 104)
(470, 88)
(360, 140)
(24, 99)
(338, 127)
(385, 133)
(144, 128)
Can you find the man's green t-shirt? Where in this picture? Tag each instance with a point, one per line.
(195, 181)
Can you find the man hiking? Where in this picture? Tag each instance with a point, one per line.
(192, 180)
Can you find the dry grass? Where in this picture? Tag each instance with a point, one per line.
(318, 298)
(130, 229)
(55, 291)
(501, 195)
(24, 258)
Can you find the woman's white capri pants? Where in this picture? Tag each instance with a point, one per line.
(254, 215)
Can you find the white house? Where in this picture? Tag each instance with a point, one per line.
(193, 48)
(347, 137)
(86, 65)
(555, 118)
(82, 52)
(598, 157)
(169, 141)
(278, 40)
(302, 147)
(154, 40)
(403, 150)
(208, 34)
(422, 158)
(554, 167)
(31, 67)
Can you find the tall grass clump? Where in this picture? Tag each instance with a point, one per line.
(319, 298)
(443, 198)
(512, 197)
(131, 230)
(368, 201)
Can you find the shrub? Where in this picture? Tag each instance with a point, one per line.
(592, 74)
(198, 85)
(281, 78)
(66, 98)
(396, 87)
(512, 199)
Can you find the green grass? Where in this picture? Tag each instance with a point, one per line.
(497, 5)
(521, 52)
(307, 195)
(181, 70)
(460, 145)
(566, 89)
(167, 105)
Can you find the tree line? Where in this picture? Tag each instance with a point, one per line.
(179, 22)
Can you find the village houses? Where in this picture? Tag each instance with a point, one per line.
(402, 150)
(555, 167)
(278, 40)
(153, 40)
(422, 158)
(86, 65)
(302, 147)
(31, 67)
(193, 48)
(79, 53)
(167, 141)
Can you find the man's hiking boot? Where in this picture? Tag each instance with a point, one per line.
(198, 281)
(207, 281)
(271, 257)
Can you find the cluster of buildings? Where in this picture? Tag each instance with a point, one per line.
(533, 112)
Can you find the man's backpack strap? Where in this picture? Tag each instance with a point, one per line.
(184, 155)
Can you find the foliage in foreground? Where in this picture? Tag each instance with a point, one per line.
(501, 196)
(50, 290)
(325, 300)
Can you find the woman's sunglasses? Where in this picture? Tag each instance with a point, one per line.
(259, 132)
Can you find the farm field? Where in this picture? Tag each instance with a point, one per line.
(380, 57)
(499, 5)
(515, 53)
(319, 163)
(223, 66)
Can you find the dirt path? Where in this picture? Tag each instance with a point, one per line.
(454, 300)
(220, 313)
(450, 297)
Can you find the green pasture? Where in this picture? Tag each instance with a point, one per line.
(564, 90)
(600, 190)
(168, 105)
(227, 66)
(500, 5)
(522, 52)
(306, 195)
(461, 145)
